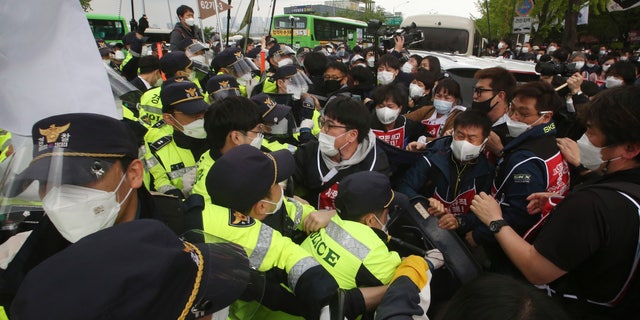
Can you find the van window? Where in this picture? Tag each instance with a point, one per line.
(443, 40)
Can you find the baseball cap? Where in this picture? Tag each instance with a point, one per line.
(226, 57)
(184, 96)
(356, 58)
(222, 86)
(174, 61)
(148, 64)
(244, 175)
(134, 270)
(83, 146)
(366, 191)
(271, 111)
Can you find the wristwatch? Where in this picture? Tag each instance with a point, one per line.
(496, 225)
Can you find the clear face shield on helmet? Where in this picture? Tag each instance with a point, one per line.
(80, 194)
(123, 90)
(297, 85)
(224, 93)
(248, 278)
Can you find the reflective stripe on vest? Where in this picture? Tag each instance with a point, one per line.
(347, 241)
(299, 269)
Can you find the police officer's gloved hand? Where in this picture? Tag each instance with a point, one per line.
(188, 180)
(305, 130)
(435, 259)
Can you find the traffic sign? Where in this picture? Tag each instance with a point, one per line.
(522, 25)
(524, 8)
(393, 20)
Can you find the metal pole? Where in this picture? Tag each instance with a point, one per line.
(228, 22)
(292, 20)
(273, 11)
(132, 23)
(144, 7)
(170, 13)
(486, 4)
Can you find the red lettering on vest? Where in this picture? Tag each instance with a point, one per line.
(326, 198)
(461, 204)
(394, 137)
(432, 129)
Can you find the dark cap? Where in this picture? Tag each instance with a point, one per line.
(226, 57)
(364, 192)
(89, 144)
(134, 270)
(222, 82)
(184, 96)
(244, 175)
(285, 71)
(148, 64)
(271, 111)
(105, 51)
(271, 40)
(253, 53)
(273, 50)
(173, 62)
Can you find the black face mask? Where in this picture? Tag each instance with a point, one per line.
(485, 106)
(332, 85)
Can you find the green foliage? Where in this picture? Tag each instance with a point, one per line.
(86, 5)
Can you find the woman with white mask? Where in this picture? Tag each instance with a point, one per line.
(447, 101)
(388, 123)
(389, 71)
(420, 93)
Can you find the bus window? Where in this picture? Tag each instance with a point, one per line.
(285, 23)
(330, 31)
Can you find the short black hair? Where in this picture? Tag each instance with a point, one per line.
(394, 91)
(315, 63)
(473, 118)
(450, 86)
(625, 70)
(501, 80)
(363, 75)
(229, 114)
(352, 113)
(616, 112)
(338, 66)
(390, 61)
(547, 99)
(183, 9)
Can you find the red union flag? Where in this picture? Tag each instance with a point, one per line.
(208, 8)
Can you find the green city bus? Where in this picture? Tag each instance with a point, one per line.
(111, 28)
(310, 31)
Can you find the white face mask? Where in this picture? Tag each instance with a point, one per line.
(591, 65)
(282, 127)
(80, 211)
(295, 91)
(195, 129)
(277, 204)
(525, 50)
(579, 65)
(192, 76)
(415, 91)
(516, 128)
(605, 67)
(244, 79)
(257, 141)
(385, 77)
(327, 144)
(464, 150)
(371, 62)
(624, 58)
(190, 21)
(407, 67)
(267, 66)
(551, 49)
(500, 45)
(538, 57)
(603, 52)
(119, 55)
(285, 62)
(382, 225)
(387, 115)
(590, 155)
(200, 59)
(442, 106)
(612, 82)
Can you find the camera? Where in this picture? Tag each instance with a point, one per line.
(552, 68)
(411, 36)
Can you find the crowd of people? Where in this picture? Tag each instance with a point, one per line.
(298, 166)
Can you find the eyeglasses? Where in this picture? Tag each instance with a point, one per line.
(328, 124)
(479, 91)
(337, 78)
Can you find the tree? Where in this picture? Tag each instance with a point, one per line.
(86, 5)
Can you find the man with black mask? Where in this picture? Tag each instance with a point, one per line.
(491, 95)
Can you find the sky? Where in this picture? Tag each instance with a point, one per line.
(158, 10)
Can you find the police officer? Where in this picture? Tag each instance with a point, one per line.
(174, 144)
(90, 178)
(222, 86)
(242, 184)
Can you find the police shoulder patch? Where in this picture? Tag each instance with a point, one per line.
(237, 219)
(521, 177)
(158, 144)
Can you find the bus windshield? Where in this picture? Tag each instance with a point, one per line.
(444, 40)
(107, 29)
